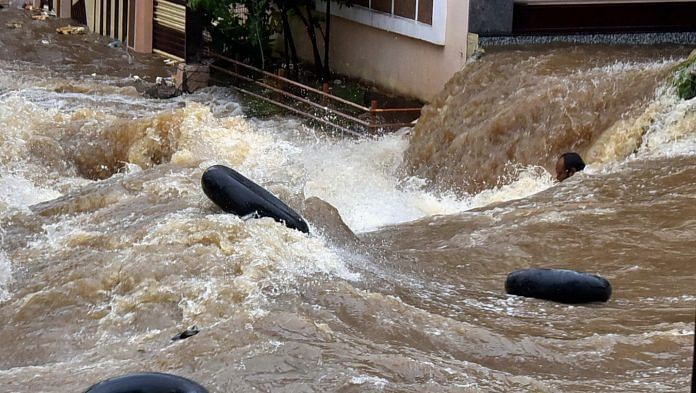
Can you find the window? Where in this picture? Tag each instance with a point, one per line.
(421, 19)
(419, 10)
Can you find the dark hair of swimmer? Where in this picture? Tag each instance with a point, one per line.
(568, 164)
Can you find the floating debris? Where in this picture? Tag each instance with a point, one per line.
(192, 331)
(14, 25)
(40, 14)
(71, 30)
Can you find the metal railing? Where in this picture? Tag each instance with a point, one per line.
(347, 113)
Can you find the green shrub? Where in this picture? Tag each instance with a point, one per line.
(685, 78)
(239, 28)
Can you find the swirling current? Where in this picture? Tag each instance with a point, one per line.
(109, 248)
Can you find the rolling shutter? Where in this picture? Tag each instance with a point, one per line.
(169, 28)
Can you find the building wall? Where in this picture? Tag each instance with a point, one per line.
(393, 61)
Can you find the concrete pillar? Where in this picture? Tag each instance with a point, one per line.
(191, 77)
(143, 26)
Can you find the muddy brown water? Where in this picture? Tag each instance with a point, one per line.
(109, 248)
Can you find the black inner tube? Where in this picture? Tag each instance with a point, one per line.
(560, 285)
(234, 193)
(147, 383)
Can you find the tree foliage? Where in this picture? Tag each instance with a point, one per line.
(239, 27)
(249, 34)
(685, 78)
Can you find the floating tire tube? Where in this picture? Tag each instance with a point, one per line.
(234, 193)
(147, 383)
(559, 285)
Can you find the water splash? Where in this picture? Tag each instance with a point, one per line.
(18, 192)
(529, 106)
(363, 180)
(5, 275)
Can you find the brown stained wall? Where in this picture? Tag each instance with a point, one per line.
(392, 61)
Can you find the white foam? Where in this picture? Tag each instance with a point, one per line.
(18, 192)
(378, 382)
(5, 276)
(529, 180)
(361, 179)
(673, 133)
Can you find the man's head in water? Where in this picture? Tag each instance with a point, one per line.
(568, 164)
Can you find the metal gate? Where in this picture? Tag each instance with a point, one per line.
(169, 28)
(111, 18)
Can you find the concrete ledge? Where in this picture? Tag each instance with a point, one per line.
(686, 38)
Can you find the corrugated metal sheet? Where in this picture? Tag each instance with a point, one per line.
(169, 27)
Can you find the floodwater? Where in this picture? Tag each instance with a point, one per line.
(109, 248)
